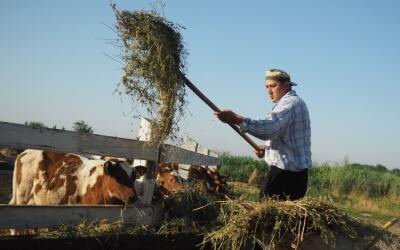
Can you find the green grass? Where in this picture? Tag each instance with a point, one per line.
(371, 209)
(366, 180)
(364, 191)
(239, 168)
(355, 178)
(242, 191)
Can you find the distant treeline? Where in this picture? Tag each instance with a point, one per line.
(372, 181)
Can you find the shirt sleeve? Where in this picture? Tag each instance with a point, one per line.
(271, 127)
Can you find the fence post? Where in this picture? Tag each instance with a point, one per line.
(149, 182)
(143, 135)
(151, 173)
(190, 145)
(214, 154)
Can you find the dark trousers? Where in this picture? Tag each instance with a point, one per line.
(283, 184)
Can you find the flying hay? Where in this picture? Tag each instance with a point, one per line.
(154, 59)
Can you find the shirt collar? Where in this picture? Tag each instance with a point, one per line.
(288, 94)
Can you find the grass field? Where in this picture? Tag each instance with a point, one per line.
(368, 192)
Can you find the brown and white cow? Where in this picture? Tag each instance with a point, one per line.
(169, 178)
(54, 178)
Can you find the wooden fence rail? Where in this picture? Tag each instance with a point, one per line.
(34, 216)
(19, 136)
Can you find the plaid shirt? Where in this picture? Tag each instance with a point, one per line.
(287, 133)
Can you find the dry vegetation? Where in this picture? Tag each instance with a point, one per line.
(154, 59)
(272, 222)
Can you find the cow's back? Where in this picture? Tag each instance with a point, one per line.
(45, 178)
(54, 178)
(23, 176)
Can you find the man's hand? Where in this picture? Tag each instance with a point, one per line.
(260, 153)
(228, 116)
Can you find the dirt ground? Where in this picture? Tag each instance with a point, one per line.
(396, 245)
(395, 229)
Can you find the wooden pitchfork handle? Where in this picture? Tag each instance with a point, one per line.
(215, 108)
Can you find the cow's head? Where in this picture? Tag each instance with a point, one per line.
(218, 181)
(139, 171)
(168, 177)
(119, 183)
(211, 179)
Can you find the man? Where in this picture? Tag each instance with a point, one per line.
(287, 134)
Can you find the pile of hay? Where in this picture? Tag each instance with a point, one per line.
(189, 210)
(274, 221)
(232, 224)
(154, 59)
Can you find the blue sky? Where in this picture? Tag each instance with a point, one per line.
(343, 54)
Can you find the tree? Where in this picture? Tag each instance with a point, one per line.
(36, 124)
(82, 127)
(380, 167)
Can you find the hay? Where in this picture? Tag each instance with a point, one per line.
(193, 204)
(154, 57)
(190, 210)
(95, 229)
(273, 221)
(256, 178)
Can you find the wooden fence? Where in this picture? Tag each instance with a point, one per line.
(19, 136)
(191, 145)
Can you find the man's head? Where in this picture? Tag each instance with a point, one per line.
(277, 83)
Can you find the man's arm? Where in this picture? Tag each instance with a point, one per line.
(267, 129)
(263, 129)
(228, 116)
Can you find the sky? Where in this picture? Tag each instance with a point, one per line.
(55, 68)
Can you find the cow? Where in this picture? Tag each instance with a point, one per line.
(169, 178)
(211, 180)
(54, 178)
